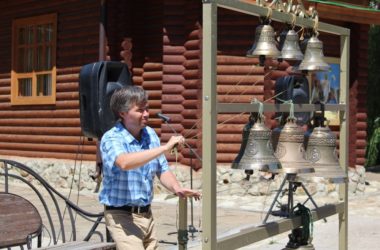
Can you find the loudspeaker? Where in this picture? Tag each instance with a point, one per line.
(97, 82)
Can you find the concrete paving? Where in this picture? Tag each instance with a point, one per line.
(235, 213)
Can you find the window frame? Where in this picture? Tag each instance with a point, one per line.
(34, 99)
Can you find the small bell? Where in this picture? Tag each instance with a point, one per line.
(314, 58)
(321, 153)
(254, 45)
(266, 44)
(289, 148)
(290, 48)
(258, 154)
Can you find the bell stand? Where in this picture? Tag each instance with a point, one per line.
(293, 184)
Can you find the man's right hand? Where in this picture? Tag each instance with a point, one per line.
(174, 141)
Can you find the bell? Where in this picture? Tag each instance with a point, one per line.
(313, 59)
(321, 153)
(254, 45)
(289, 148)
(265, 44)
(245, 136)
(258, 154)
(290, 48)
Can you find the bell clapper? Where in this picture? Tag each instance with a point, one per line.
(248, 172)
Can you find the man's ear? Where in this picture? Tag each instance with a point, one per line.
(122, 114)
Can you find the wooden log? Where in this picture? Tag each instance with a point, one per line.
(67, 86)
(193, 44)
(177, 79)
(173, 50)
(173, 69)
(66, 113)
(192, 54)
(173, 59)
(172, 89)
(238, 89)
(152, 66)
(56, 155)
(192, 74)
(192, 83)
(226, 157)
(239, 70)
(238, 60)
(48, 147)
(192, 64)
(167, 132)
(69, 70)
(192, 93)
(64, 131)
(151, 85)
(47, 139)
(361, 116)
(171, 108)
(152, 75)
(6, 90)
(191, 104)
(191, 113)
(172, 99)
(237, 98)
(154, 94)
(68, 78)
(41, 122)
(227, 147)
(234, 80)
(67, 96)
(228, 138)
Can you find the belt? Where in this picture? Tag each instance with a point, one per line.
(131, 209)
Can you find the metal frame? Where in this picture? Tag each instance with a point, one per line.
(209, 114)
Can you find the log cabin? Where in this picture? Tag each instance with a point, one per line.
(43, 46)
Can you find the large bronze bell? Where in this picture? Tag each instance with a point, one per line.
(314, 58)
(290, 48)
(321, 152)
(288, 143)
(258, 154)
(266, 44)
(245, 136)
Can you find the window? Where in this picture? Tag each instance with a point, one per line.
(33, 77)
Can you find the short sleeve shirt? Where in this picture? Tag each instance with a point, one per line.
(129, 187)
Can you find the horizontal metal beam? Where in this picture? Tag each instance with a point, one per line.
(270, 107)
(254, 234)
(256, 10)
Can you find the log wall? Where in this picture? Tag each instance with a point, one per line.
(50, 131)
(164, 53)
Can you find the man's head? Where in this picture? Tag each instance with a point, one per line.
(126, 98)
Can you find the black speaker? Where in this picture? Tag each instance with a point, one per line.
(97, 82)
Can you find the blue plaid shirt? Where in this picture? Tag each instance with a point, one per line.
(129, 187)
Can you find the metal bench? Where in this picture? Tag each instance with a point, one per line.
(31, 208)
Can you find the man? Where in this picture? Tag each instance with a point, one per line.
(132, 156)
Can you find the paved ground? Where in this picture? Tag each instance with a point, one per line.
(234, 214)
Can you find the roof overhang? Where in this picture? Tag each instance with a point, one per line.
(341, 13)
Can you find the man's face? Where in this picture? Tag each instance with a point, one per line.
(137, 117)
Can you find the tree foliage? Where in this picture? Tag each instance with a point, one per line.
(373, 87)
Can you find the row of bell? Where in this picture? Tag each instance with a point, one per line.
(283, 150)
(265, 46)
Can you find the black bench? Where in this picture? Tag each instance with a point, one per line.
(31, 208)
